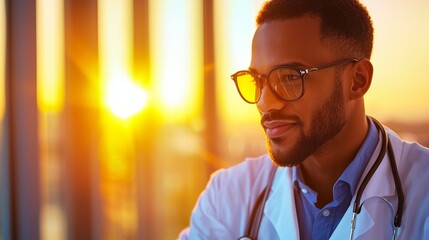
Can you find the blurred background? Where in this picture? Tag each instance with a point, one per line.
(114, 113)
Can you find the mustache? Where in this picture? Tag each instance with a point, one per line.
(278, 115)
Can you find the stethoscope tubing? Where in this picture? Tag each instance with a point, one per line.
(357, 206)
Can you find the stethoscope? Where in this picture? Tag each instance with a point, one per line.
(257, 212)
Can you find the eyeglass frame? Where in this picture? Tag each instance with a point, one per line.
(302, 72)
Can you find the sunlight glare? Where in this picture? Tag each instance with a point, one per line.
(176, 43)
(50, 55)
(124, 98)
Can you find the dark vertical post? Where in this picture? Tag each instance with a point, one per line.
(5, 179)
(21, 118)
(81, 118)
(210, 106)
(145, 129)
(141, 55)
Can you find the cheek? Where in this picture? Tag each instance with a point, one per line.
(305, 111)
(312, 109)
(310, 103)
(319, 87)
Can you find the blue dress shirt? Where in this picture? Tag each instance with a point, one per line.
(316, 223)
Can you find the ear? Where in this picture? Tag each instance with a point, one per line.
(362, 78)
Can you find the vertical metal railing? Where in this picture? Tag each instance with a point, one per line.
(81, 119)
(211, 135)
(146, 126)
(22, 154)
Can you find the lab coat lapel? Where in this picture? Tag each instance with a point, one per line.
(280, 207)
(380, 185)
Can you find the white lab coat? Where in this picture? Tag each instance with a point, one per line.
(224, 208)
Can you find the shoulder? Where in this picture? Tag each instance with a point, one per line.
(244, 178)
(408, 153)
(224, 207)
(413, 166)
(412, 159)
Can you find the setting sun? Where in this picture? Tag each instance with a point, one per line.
(124, 98)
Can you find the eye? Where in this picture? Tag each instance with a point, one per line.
(286, 75)
(290, 77)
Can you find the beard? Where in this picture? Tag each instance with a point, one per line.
(327, 121)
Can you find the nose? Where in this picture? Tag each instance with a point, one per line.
(269, 101)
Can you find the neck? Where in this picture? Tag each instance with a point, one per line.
(322, 169)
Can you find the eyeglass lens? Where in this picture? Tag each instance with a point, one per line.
(285, 82)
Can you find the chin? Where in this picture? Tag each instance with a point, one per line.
(283, 155)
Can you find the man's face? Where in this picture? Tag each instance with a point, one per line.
(297, 130)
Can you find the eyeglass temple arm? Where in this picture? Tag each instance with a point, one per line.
(341, 62)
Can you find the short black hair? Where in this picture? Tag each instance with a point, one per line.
(346, 24)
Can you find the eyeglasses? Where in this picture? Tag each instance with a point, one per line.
(285, 81)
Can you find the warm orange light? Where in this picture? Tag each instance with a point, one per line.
(234, 30)
(176, 48)
(50, 99)
(124, 98)
(50, 55)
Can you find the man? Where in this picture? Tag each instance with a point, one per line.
(309, 72)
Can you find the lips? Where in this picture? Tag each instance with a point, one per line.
(278, 128)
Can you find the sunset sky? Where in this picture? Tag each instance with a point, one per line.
(401, 80)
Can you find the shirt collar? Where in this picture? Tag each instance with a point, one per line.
(355, 169)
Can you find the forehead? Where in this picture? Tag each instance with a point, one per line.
(291, 41)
